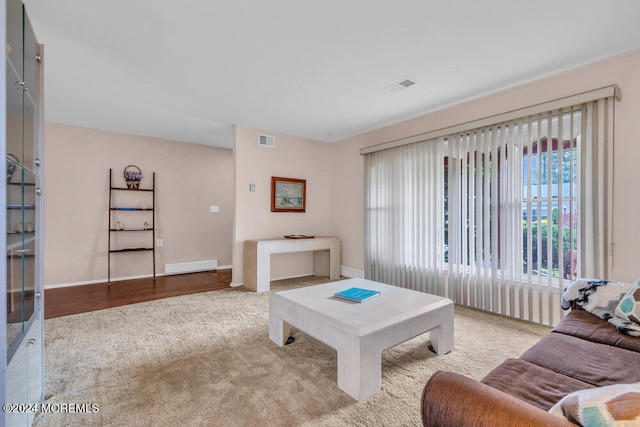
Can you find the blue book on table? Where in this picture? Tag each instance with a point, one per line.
(357, 294)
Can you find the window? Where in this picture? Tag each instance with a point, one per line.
(511, 200)
(556, 210)
(498, 216)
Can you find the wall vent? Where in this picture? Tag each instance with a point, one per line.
(401, 85)
(267, 141)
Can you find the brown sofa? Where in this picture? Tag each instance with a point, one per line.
(581, 352)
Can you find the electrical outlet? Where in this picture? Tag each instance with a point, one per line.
(214, 209)
(159, 243)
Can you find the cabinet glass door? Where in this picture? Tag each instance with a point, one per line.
(29, 253)
(15, 306)
(22, 99)
(15, 96)
(21, 253)
(14, 298)
(14, 37)
(30, 97)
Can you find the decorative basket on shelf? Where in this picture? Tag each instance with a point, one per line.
(11, 166)
(132, 175)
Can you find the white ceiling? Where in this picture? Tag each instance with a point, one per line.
(187, 70)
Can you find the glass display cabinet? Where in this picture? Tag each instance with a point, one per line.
(21, 333)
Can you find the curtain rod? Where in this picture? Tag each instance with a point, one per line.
(560, 103)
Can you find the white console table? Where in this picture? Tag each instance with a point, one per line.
(257, 258)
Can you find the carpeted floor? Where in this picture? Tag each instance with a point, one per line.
(206, 359)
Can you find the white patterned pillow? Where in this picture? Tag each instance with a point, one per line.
(594, 295)
(629, 306)
(614, 405)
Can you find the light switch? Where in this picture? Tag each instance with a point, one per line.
(214, 209)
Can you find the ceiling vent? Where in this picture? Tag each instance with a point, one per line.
(401, 85)
(267, 141)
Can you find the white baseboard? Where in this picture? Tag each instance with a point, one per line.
(345, 271)
(144, 276)
(291, 277)
(190, 267)
(93, 282)
(351, 272)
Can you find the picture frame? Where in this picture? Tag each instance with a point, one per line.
(288, 194)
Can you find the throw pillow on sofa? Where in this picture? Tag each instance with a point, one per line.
(614, 405)
(629, 306)
(601, 297)
(594, 295)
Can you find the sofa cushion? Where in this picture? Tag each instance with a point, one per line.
(582, 324)
(528, 382)
(614, 405)
(594, 363)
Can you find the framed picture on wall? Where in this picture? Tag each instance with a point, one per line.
(288, 194)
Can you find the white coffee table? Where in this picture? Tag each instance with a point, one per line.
(361, 331)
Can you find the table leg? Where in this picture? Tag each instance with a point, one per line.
(442, 337)
(359, 371)
(279, 330)
(322, 263)
(327, 263)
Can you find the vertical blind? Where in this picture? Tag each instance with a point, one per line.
(498, 217)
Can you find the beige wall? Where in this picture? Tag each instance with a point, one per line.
(347, 207)
(291, 158)
(189, 178)
(192, 177)
(348, 179)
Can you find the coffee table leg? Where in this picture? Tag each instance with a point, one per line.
(442, 337)
(279, 330)
(359, 370)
